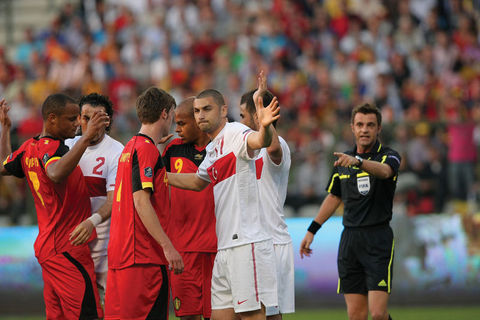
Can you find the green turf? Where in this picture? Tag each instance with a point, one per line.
(398, 313)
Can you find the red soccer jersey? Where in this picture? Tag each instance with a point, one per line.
(192, 225)
(140, 167)
(60, 206)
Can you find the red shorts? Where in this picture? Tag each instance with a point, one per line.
(137, 292)
(70, 291)
(191, 290)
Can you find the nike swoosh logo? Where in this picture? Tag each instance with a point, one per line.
(240, 302)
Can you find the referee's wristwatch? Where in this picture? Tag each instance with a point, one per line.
(360, 160)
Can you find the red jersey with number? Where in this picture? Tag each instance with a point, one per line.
(60, 206)
(140, 167)
(192, 223)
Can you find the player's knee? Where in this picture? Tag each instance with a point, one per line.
(379, 314)
(359, 313)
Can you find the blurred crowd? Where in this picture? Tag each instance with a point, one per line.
(417, 60)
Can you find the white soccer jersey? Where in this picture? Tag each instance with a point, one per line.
(232, 171)
(273, 181)
(99, 166)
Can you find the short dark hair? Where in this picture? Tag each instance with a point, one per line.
(247, 99)
(151, 103)
(367, 108)
(98, 100)
(215, 94)
(55, 103)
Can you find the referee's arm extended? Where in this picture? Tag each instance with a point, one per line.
(328, 207)
(375, 168)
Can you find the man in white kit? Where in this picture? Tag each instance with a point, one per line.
(243, 276)
(273, 167)
(99, 166)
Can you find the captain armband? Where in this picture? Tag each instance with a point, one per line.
(95, 219)
(314, 227)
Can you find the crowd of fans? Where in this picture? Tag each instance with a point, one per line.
(417, 60)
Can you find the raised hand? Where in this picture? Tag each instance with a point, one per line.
(266, 116)
(96, 125)
(262, 86)
(4, 118)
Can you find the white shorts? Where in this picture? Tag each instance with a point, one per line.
(285, 279)
(244, 277)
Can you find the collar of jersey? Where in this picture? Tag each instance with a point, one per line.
(45, 137)
(376, 149)
(144, 135)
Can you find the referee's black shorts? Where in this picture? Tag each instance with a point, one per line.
(365, 259)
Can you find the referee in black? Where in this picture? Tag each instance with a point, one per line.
(364, 179)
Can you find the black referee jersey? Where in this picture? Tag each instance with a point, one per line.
(367, 200)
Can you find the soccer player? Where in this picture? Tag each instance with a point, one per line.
(243, 276)
(99, 166)
(61, 201)
(139, 250)
(364, 179)
(273, 167)
(192, 222)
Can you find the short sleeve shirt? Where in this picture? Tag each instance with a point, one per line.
(140, 167)
(192, 222)
(60, 206)
(273, 181)
(232, 172)
(367, 200)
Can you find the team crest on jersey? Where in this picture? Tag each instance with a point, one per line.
(148, 172)
(363, 185)
(177, 303)
(45, 158)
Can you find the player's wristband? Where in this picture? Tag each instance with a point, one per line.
(314, 227)
(95, 219)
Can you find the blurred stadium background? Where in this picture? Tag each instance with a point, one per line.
(417, 60)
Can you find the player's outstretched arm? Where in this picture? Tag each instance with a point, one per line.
(266, 116)
(375, 168)
(187, 181)
(5, 143)
(60, 170)
(146, 212)
(328, 207)
(275, 149)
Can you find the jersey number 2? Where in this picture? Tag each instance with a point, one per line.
(101, 162)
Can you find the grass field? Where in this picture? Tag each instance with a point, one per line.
(398, 313)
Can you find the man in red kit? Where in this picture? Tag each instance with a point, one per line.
(139, 249)
(192, 222)
(61, 201)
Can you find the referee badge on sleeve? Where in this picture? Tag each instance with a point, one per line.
(363, 184)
